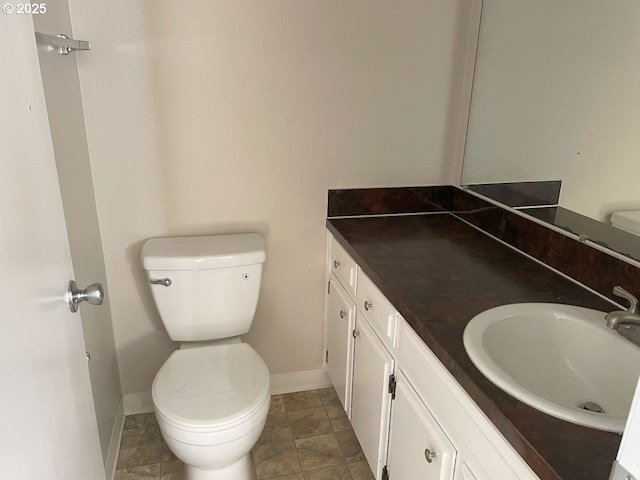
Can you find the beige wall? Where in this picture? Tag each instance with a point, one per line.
(237, 115)
(66, 120)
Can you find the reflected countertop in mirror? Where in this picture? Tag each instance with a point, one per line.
(601, 234)
(556, 97)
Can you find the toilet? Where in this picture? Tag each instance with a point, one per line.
(211, 396)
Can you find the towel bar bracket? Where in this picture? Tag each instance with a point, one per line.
(61, 43)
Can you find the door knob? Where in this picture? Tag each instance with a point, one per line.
(93, 294)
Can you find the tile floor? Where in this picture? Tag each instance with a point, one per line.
(307, 437)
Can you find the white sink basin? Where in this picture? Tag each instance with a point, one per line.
(557, 358)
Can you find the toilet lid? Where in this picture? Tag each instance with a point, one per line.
(211, 387)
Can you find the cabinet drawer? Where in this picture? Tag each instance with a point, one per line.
(343, 267)
(381, 315)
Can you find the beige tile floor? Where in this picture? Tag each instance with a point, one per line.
(307, 437)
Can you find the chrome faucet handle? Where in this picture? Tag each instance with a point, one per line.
(633, 301)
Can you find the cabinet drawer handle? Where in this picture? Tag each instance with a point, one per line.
(368, 305)
(336, 263)
(342, 313)
(429, 455)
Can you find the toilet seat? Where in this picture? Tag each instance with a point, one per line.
(211, 389)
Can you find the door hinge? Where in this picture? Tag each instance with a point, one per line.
(326, 356)
(329, 287)
(392, 386)
(385, 473)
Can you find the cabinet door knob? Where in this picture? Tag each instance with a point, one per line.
(367, 305)
(355, 333)
(336, 263)
(429, 455)
(342, 313)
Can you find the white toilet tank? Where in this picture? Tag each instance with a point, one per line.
(205, 287)
(629, 221)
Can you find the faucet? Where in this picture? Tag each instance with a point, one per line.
(627, 318)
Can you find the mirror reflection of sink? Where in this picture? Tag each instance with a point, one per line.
(559, 359)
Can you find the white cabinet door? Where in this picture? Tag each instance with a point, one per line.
(629, 453)
(463, 472)
(371, 400)
(340, 325)
(419, 449)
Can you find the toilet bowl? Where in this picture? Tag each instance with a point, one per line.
(212, 396)
(211, 404)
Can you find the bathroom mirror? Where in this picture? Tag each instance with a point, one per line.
(556, 97)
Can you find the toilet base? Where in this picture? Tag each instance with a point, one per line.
(240, 470)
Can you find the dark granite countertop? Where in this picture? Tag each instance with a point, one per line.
(439, 273)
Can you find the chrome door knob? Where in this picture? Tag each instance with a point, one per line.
(93, 294)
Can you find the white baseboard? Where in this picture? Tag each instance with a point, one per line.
(299, 381)
(139, 402)
(114, 444)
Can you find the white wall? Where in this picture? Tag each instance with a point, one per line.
(556, 96)
(64, 107)
(238, 115)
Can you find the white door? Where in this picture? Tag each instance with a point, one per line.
(48, 422)
(629, 453)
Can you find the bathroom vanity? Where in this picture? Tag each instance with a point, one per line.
(400, 291)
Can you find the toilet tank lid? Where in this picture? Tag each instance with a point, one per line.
(203, 252)
(629, 220)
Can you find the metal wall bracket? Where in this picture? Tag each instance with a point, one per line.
(61, 43)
